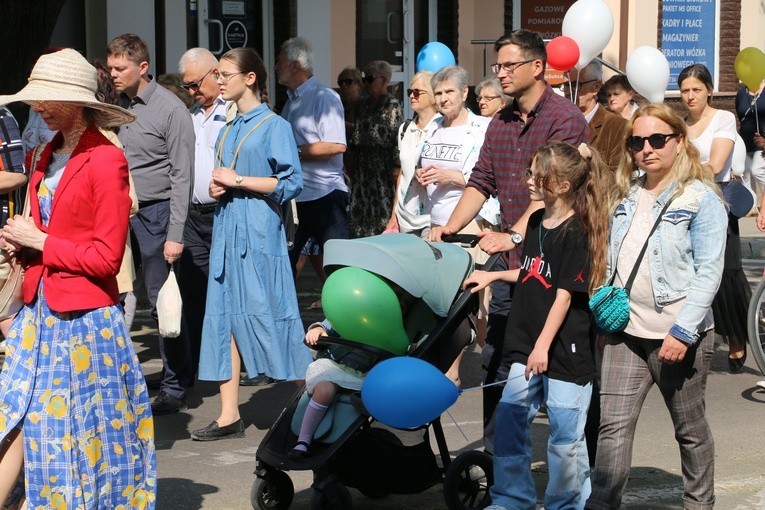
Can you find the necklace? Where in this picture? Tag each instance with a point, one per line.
(555, 225)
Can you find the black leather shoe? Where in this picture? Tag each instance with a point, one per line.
(296, 454)
(213, 432)
(167, 404)
(736, 364)
(258, 380)
(154, 383)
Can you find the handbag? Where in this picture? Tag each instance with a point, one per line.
(11, 269)
(740, 199)
(610, 305)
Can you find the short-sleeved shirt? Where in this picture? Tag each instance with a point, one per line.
(316, 114)
(722, 125)
(206, 129)
(11, 160)
(509, 145)
(553, 259)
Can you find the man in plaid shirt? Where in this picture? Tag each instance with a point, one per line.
(12, 178)
(12, 174)
(536, 116)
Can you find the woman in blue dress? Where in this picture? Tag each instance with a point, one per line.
(252, 307)
(73, 401)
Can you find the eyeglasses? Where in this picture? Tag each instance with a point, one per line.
(195, 85)
(509, 67)
(566, 85)
(487, 98)
(347, 82)
(370, 79)
(415, 92)
(224, 77)
(656, 140)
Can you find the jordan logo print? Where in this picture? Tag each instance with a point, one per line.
(579, 278)
(535, 269)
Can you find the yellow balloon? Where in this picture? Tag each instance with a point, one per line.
(750, 67)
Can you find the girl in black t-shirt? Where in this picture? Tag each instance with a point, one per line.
(549, 339)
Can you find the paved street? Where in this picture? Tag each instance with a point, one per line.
(218, 475)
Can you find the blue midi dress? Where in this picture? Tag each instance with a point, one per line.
(251, 290)
(72, 382)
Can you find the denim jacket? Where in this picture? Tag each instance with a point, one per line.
(685, 253)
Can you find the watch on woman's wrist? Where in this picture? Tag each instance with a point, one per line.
(238, 181)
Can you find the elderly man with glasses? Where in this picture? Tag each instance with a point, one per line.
(197, 68)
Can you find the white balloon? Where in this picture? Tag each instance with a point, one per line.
(648, 73)
(591, 24)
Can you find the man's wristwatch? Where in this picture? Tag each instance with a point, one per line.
(516, 237)
(238, 181)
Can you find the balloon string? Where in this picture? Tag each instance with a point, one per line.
(480, 386)
(458, 426)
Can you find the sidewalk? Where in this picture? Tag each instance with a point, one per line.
(752, 240)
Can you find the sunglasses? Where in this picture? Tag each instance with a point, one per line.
(347, 82)
(415, 92)
(370, 79)
(566, 85)
(656, 140)
(188, 87)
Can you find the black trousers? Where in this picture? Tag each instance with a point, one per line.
(194, 269)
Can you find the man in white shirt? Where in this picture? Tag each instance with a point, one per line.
(197, 67)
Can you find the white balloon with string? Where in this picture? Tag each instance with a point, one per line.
(591, 24)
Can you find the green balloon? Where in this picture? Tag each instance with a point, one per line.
(362, 307)
(750, 67)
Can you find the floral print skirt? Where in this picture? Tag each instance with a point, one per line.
(73, 384)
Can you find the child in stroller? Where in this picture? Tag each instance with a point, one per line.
(338, 366)
(436, 327)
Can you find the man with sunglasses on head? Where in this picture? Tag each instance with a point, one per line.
(198, 67)
(536, 116)
(318, 123)
(606, 127)
(159, 147)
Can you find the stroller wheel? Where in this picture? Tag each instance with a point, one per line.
(272, 492)
(467, 481)
(334, 496)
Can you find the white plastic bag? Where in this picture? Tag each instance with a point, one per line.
(169, 307)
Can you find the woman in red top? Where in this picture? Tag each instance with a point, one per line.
(73, 401)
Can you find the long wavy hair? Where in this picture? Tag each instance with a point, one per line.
(592, 185)
(687, 166)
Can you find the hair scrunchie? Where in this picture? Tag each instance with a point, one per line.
(584, 151)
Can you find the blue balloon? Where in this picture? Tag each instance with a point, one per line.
(405, 392)
(434, 56)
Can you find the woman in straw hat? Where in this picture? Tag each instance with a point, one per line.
(73, 401)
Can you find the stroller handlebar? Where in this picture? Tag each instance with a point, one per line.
(326, 341)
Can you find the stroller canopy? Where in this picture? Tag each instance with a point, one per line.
(431, 271)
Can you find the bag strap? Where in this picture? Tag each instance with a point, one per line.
(26, 212)
(633, 274)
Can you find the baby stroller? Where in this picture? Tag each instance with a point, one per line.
(352, 449)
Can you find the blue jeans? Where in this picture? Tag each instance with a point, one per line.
(568, 485)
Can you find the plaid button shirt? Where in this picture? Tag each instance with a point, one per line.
(510, 144)
(11, 159)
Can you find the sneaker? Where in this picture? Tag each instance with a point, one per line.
(167, 404)
(213, 432)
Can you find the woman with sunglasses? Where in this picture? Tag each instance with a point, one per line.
(667, 341)
(409, 203)
(375, 153)
(713, 133)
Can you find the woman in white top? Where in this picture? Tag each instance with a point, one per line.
(451, 151)
(410, 201)
(713, 132)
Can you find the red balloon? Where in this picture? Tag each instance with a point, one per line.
(562, 53)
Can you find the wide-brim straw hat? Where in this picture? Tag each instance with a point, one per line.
(66, 76)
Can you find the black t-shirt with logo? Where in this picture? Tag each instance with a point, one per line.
(553, 259)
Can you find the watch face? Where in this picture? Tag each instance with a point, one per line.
(516, 238)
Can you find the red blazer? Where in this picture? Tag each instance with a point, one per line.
(87, 228)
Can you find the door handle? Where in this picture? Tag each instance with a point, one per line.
(220, 38)
(388, 27)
